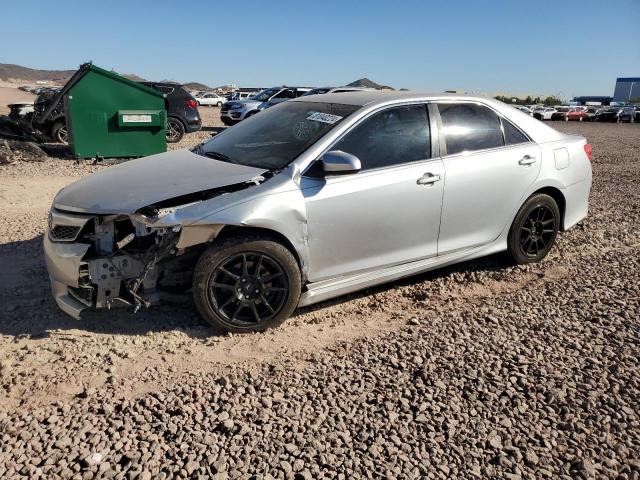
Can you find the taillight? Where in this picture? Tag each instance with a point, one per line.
(191, 103)
(587, 150)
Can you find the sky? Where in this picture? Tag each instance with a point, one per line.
(559, 47)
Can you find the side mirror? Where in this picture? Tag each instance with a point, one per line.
(337, 162)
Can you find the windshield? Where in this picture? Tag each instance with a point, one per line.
(275, 137)
(265, 95)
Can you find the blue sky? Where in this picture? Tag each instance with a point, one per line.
(565, 47)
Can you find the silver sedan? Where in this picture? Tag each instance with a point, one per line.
(315, 198)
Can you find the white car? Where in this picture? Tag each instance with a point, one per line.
(524, 109)
(211, 99)
(544, 113)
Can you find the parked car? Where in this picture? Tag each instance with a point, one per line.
(211, 99)
(323, 90)
(55, 124)
(20, 112)
(298, 92)
(315, 198)
(544, 113)
(591, 114)
(235, 111)
(607, 114)
(182, 110)
(560, 113)
(240, 95)
(524, 109)
(627, 114)
(576, 113)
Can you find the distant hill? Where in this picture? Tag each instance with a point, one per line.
(9, 71)
(196, 86)
(133, 76)
(365, 82)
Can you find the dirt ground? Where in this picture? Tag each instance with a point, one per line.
(10, 95)
(48, 358)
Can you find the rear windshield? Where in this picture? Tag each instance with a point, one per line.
(275, 137)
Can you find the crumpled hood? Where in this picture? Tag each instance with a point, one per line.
(127, 187)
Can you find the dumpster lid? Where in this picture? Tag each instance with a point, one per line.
(79, 75)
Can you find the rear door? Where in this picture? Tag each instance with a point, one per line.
(489, 164)
(386, 214)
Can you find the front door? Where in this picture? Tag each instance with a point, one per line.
(386, 214)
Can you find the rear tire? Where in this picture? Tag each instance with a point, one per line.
(534, 230)
(175, 130)
(219, 104)
(246, 284)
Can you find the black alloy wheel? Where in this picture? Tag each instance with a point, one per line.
(246, 284)
(534, 230)
(537, 231)
(247, 289)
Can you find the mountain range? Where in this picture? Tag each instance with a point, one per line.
(20, 74)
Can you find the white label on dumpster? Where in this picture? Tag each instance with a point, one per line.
(136, 118)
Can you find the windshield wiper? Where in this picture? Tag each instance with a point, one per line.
(218, 156)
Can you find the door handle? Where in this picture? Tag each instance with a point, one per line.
(428, 179)
(527, 160)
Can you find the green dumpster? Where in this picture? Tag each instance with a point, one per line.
(109, 115)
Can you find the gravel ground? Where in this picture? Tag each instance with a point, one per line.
(481, 370)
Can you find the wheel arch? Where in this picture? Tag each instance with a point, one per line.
(265, 233)
(176, 117)
(558, 196)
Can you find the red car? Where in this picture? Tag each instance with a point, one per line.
(576, 113)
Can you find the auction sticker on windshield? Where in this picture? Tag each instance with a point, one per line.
(324, 117)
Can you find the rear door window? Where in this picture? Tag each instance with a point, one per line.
(512, 134)
(469, 127)
(391, 137)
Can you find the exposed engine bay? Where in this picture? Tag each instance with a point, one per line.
(126, 262)
(130, 260)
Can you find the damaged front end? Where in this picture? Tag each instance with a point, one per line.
(102, 261)
(128, 259)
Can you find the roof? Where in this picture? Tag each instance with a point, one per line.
(368, 97)
(538, 131)
(628, 79)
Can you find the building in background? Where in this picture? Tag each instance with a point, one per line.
(627, 90)
(591, 100)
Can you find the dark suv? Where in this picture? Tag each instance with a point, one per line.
(182, 110)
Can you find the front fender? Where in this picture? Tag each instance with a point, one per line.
(283, 213)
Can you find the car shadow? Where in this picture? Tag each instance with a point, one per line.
(496, 262)
(27, 308)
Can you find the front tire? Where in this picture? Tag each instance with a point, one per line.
(534, 230)
(246, 284)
